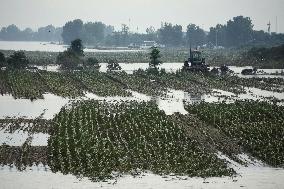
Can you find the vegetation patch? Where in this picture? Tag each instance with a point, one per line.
(258, 126)
(96, 139)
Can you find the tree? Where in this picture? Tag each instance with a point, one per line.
(18, 60)
(71, 58)
(68, 60)
(46, 33)
(11, 33)
(77, 47)
(151, 33)
(239, 31)
(72, 30)
(27, 34)
(217, 35)
(155, 58)
(2, 60)
(93, 32)
(170, 35)
(195, 36)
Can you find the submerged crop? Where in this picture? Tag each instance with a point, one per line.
(96, 139)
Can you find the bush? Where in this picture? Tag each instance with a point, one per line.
(92, 62)
(155, 57)
(2, 60)
(18, 60)
(68, 60)
(77, 47)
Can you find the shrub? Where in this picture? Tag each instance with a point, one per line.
(77, 47)
(68, 60)
(18, 60)
(155, 57)
(2, 60)
(92, 62)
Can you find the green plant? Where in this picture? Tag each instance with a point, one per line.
(2, 60)
(94, 139)
(18, 60)
(155, 57)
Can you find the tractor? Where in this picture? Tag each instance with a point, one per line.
(197, 63)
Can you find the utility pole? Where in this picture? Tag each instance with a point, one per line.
(269, 24)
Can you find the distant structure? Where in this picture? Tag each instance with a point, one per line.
(269, 25)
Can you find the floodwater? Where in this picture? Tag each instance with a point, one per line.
(261, 73)
(175, 66)
(131, 67)
(171, 102)
(18, 137)
(47, 47)
(254, 176)
(50, 105)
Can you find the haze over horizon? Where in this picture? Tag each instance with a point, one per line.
(141, 13)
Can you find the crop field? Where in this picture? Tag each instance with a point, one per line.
(257, 126)
(104, 140)
(32, 85)
(124, 138)
(233, 57)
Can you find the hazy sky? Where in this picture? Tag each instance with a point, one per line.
(141, 13)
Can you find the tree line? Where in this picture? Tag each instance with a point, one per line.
(47, 33)
(237, 32)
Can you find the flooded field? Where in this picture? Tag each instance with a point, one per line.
(129, 94)
(251, 176)
(175, 66)
(48, 47)
(49, 106)
(170, 98)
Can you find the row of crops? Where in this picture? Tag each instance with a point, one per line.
(96, 139)
(101, 84)
(23, 156)
(32, 85)
(258, 126)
